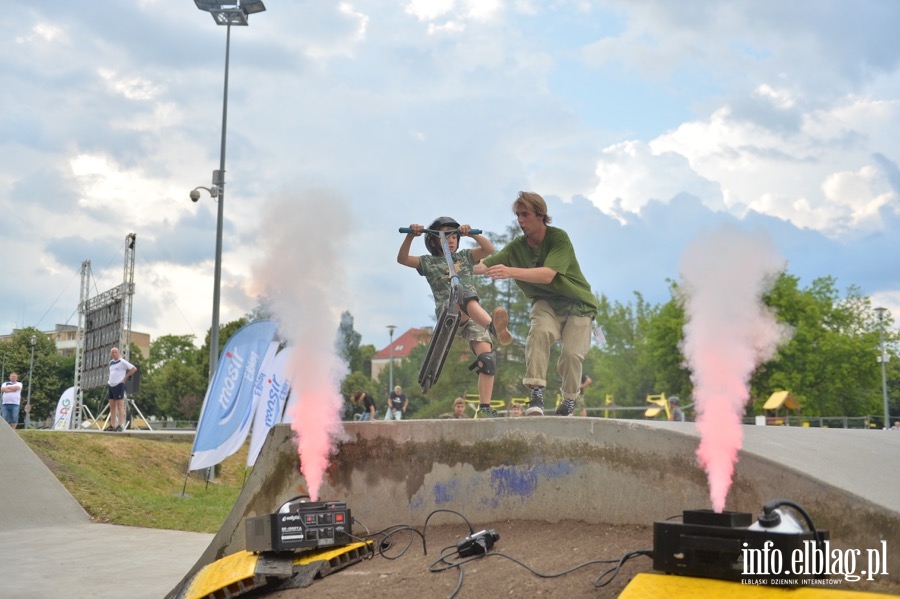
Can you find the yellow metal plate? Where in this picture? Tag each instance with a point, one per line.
(224, 572)
(326, 554)
(654, 586)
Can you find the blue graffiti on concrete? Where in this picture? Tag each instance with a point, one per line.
(505, 481)
(445, 492)
(516, 481)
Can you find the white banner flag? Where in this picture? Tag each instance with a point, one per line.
(227, 409)
(274, 392)
(63, 418)
(265, 372)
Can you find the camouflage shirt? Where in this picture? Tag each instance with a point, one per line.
(434, 269)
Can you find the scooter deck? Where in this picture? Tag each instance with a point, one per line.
(439, 346)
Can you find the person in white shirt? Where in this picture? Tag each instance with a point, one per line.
(12, 399)
(120, 370)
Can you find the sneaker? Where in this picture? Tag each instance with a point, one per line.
(566, 407)
(486, 412)
(118, 429)
(500, 325)
(536, 404)
(109, 429)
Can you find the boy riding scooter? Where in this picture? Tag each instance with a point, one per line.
(475, 325)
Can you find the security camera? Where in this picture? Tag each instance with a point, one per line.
(195, 195)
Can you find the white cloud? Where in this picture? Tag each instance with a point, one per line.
(132, 88)
(631, 174)
(429, 10)
(42, 32)
(412, 110)
(730, 163)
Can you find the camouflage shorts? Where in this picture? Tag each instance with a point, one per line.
(472, 331)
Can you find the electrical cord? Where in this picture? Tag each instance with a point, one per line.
(384, 540)
(614, 571)
(469, 524)
(478, 545)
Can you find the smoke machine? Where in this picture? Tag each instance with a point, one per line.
(735, 546)
(300, 524)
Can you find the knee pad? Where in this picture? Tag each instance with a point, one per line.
(467, 296)
(485, 363)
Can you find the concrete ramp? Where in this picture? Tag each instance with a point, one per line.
(51, 548)
(585, 469)
(30, 494)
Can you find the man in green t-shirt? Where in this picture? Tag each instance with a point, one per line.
(542, 261)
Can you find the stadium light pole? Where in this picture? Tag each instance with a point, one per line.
(883, 358)
(391, 329)
(30, 373)
(225, 13)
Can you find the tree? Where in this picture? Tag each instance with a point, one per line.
(347, 343)
(178, 390)
(172, 347)
(830, 363)
(46, 381)
(665, 335)
(174, 368)
(625, 369)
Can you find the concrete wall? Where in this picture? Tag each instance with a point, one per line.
(586, 469)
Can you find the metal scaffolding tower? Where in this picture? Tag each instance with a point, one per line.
(77, 415)
(104, 322)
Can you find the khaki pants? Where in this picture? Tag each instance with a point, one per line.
(547, 327)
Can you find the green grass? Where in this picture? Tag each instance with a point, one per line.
(132, 481)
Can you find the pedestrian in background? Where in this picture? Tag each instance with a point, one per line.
(12, 399)
(585, 381)
(368, 404)
(120, 370)
(676, 414)
(397, 404)
(459, 408)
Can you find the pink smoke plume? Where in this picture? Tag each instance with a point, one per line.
(301, 278)
(728, 332)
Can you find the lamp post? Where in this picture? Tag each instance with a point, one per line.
(225, 13)
(883, 358)
(30, 372)
(390, 329)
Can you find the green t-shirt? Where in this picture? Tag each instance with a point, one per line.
(568, 292)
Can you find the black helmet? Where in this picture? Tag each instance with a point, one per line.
(432, 241)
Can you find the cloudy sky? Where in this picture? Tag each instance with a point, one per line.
(643, 122)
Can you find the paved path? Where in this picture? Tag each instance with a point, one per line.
(49, 548)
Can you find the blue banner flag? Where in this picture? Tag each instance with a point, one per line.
(228, 406)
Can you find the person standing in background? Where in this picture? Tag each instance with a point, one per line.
(12, 399)
(397, 404)
(120, 370)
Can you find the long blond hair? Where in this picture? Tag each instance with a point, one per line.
(534, 202)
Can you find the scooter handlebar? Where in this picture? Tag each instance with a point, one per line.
(409, 230)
